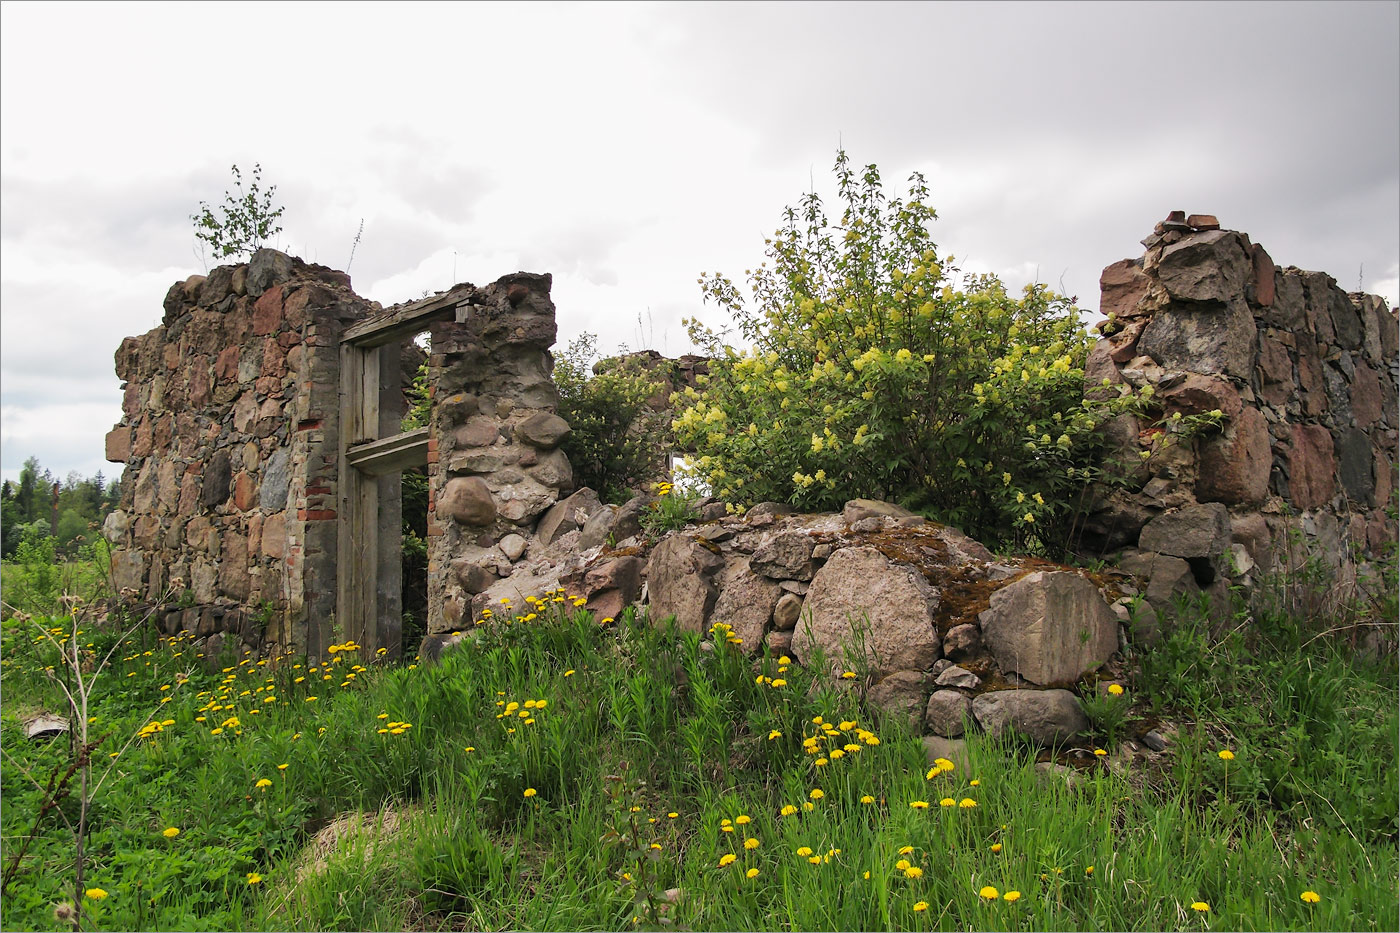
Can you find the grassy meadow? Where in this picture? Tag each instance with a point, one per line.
(556, 771)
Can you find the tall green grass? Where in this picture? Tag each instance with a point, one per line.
(563, 774)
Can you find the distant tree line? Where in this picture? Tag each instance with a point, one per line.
(28, 508)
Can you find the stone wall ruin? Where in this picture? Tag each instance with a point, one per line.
(1305, 375)
(235, 498)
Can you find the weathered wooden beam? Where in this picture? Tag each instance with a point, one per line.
(390, 454)
(406, 320)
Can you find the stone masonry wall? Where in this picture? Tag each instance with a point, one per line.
(1305, 375)
(495, 467)
(228, 433)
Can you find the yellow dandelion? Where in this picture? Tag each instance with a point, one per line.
(989, 893)
(1012, 896)
(530, 792)
(1200, 907)
(728, 858)
(171, 833)
(1225, 755)
(919, 907)
(1310, 897)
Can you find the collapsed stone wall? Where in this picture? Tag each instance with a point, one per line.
(228, 433)
(1305, 376)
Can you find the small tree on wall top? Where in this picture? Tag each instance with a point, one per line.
(249, 219)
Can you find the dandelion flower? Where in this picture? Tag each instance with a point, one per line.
(742, 819)
(1100, 752)
(751, 843)
(1200, 907)
(569, 672)
(171, 833)
(848, 675)
(751, 873)
(95, 894)
(901, 865)
(919, 804)
(967, 803)
(804, 851)
(787, 810)
(921, 906)
(947, 802)
(809, 806)
(996, 847)
(906, 850)
(867, 799)
(990, 893)
(1225, 755)
(263, 783)
(1310, 897)
(1011, 896)
(672, 815)
(283, 767)
(1089, 870)
(913, 872)
(817, 793)
(254, 878)
(728, 858)
(1115, 689)
(775, 734)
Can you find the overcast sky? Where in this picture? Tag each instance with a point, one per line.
(628, 148)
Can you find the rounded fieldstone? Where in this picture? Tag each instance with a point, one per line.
(962, 642)
(467, 501)
(543, 430)
(787, 611)
(947, 713)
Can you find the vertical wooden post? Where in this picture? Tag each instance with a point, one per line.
(358, 546)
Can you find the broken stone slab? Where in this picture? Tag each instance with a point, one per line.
(45, 726)
(857, 509)
(569, 515)
(745, 603)
(785, 556)
(1047, 717)
(1234, 467)
(955, 676)
(1200, 534)
(865, 608)
(680, 582)
(1204, 338)
(1049, 627)
(1208, 266)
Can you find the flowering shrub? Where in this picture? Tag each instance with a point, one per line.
(614, 446)
(869, 372)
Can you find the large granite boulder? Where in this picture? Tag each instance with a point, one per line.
(864, 607)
